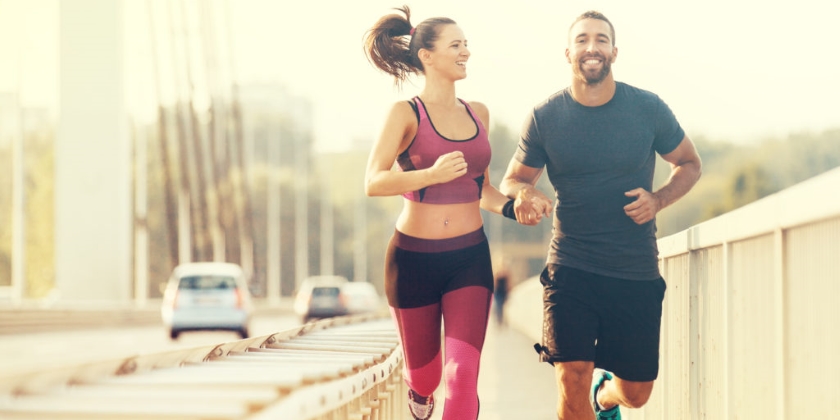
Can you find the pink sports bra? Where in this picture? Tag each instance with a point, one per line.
(428, 145)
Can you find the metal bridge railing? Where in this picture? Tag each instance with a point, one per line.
(340, 368)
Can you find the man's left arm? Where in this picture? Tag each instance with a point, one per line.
(685, 171)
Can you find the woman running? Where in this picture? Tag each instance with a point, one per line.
(438, 260)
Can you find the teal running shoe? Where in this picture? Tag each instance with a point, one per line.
(598, 378)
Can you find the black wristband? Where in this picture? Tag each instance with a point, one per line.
(507, 210)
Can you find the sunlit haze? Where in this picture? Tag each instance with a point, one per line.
(730, 71)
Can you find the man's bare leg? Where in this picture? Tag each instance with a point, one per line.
(574, 381)
(628, 394)
(573, 384)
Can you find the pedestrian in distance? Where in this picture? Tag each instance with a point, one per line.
(597, 140)
(500, 294)
(437, 264)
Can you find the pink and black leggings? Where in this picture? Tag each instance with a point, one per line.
(452, 279)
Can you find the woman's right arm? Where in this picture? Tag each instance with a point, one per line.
(397, 134)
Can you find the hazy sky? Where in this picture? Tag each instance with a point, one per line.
(730, 70)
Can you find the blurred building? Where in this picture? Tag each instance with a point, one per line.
(278, 144)
(271, 113)
(8, 118)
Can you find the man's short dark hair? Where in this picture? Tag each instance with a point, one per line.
(592, 14)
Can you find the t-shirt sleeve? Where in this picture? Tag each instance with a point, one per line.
(530, 151)
(669, 134)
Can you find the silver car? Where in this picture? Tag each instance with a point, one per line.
(320, 297)
(207, 296)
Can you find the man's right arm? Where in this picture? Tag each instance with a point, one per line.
(530, 204)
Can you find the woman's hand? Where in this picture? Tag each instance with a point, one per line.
(448, 167)
(531, 206)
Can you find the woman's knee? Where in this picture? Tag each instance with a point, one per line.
(424, 381)
(462, 363)
(457, 373)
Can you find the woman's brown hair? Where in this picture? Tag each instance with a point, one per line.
(392, 43)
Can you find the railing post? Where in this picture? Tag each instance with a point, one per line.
(727, 274)
(695, 336)
(384, 400)
(779, 318)
(375, 406)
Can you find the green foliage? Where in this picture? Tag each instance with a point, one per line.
(6, 217)
(734, 175)
(38, 214)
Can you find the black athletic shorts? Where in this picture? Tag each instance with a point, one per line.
(612, 322)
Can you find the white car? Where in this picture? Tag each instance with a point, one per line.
(207, 296)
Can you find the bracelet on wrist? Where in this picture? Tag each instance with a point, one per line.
(507, 210)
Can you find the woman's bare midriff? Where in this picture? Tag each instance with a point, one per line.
(439, 221)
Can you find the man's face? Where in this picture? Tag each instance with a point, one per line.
(591, 51)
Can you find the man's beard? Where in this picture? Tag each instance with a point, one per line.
(597, 77)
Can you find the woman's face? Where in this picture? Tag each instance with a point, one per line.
(450, 54)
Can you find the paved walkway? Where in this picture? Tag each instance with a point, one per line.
(512, 383)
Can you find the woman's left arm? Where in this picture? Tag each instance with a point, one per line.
(492, 199)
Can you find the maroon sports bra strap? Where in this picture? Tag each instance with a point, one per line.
(469, 109)
(421, 108)
(414, 107)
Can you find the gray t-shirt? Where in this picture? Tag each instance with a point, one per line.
(592, 156)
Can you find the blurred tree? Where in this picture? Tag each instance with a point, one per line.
(40, 187)
(736, 175)
(161, 216)
(39, 276)
(749, 184)
(503, 143)
(5, 217)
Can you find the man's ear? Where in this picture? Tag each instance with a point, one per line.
(569, 59)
